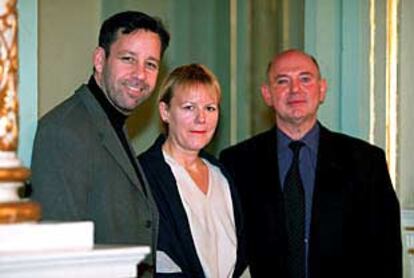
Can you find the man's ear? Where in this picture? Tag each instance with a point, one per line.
(266, 94)
(99, 59)
(323, 89)
(164, 113)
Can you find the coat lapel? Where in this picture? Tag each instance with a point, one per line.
(112, 144)
(108, 136)
(267, 166)
(171, 208)
(328, 200)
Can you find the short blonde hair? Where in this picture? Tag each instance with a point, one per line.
(187, 76)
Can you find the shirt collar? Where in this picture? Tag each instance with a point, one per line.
(311, 139)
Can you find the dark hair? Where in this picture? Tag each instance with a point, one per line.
(128, 22)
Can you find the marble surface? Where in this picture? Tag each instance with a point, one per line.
(101, 261)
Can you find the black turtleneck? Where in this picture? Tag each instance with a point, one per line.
(117, 120)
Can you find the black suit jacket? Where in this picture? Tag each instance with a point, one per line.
(174, 237)
(355, 226)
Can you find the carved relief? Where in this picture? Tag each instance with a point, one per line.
(8, 76)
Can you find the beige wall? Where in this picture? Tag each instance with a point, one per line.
(68, 33)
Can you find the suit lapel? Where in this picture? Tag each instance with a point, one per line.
(328, 199)
(112, 144)
(330, 178)
(265, 195)
(267, 165)
(108, 136)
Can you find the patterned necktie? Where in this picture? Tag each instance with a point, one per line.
(295, 215)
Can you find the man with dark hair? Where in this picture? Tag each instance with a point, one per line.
(317, 204)
(83, 166)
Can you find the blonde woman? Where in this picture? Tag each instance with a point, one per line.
(200, 229)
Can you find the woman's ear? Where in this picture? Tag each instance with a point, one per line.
(164, 113)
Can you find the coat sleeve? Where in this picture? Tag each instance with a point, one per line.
(61, 163)
(385, 221)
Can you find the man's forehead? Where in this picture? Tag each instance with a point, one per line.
(298, 63)
(128, 42)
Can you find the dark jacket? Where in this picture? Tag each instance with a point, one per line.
(174, 236)
(80, 171)
(355, 226)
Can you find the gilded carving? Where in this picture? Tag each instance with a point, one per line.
(8, 76)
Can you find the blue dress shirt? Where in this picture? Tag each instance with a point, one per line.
(307, 166)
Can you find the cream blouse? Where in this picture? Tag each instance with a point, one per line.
(210, 217)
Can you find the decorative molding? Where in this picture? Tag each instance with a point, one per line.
(407, 226)
(102, 261)
(12, 174)
(372, 116)
(8, 76)
(392, 89)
